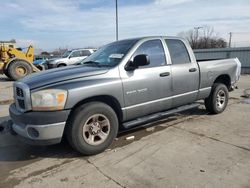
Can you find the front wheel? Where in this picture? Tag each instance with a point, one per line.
(92, 127)
(218, 99)
(19, 69)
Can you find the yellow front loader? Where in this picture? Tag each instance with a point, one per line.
(16, 64)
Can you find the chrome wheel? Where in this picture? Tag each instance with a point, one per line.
(220, 99)
(96, 129)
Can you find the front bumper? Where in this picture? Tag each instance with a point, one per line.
(39, 128)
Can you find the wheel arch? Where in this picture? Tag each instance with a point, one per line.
(9, 62)
(224, 79)
(64, 64)
(107, 99)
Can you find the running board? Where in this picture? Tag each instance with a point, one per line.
(159, 115)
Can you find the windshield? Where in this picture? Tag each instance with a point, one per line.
(110, 54)
(66, 54)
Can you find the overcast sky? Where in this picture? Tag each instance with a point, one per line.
(50, 24)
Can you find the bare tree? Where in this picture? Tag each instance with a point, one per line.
(13, 40)
(190, 36)
(59, 52)
(209, 39)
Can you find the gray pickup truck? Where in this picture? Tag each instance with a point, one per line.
(124, 84)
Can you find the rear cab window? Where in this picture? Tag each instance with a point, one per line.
(178, 51)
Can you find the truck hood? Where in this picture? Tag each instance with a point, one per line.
(47, 77)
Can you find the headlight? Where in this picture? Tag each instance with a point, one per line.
(50, 99)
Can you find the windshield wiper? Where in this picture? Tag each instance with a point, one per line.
(94, 63)
(90, 63)
(87, 63)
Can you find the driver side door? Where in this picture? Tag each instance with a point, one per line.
(147, 88)
(74, 57)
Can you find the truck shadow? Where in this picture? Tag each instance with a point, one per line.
(11, 149)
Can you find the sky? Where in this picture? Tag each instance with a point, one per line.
(50, 24)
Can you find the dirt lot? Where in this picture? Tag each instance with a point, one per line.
(191, 149)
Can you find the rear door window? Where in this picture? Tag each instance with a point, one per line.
(85, 53)
(178, 51)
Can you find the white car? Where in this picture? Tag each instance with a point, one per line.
(70, 57)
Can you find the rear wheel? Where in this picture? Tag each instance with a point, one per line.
(218, 99)
(92, 128)
(19, 69)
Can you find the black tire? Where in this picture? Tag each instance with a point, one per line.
(79, 120)
(61, 65)
(214, 103)
(5, 71)
(19, 65)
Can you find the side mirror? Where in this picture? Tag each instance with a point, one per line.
(139, 60)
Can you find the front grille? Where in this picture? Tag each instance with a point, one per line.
(21, 103)
(19, 92)
(22, 96)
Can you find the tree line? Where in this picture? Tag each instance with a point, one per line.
(206, 38)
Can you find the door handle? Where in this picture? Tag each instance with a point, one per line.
(192, 70)
(164, 74)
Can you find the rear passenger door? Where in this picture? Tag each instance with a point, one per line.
(147, 88)
(185, 73)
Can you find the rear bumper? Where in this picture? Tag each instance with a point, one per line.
(233, 86)
(39, 128)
